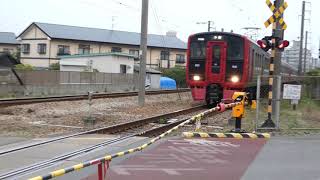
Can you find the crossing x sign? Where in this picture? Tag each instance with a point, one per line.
(276, 14)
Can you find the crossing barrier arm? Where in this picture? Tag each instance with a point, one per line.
(98, 161)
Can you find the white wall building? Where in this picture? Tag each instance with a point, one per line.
(103, 62)
(291, 56)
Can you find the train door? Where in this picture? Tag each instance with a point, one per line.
(216, 56)
(216, 63)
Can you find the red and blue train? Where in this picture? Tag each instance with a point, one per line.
(220, 63)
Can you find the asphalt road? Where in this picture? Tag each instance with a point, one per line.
(293, 158)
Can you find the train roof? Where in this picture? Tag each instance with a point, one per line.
(219, 32)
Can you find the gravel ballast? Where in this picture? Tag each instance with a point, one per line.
(56, 118)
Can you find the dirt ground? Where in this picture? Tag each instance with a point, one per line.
(56, 118)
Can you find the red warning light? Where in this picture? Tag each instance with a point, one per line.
(283, 44)
(264, 44)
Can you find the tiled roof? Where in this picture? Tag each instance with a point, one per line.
(97, 54)
(108, 36)
(8, 38)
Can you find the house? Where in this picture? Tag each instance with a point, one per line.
(43, 43)
(102, 62)
(8, 42)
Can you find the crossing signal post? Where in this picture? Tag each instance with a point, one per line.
(275, 43)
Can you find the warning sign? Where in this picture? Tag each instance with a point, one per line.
(291, 91)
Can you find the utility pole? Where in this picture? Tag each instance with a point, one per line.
(209, 25)
(301, 38)
(305, 53)
(143, 49)
(278, 32)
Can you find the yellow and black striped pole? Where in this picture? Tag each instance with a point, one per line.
(269, 122)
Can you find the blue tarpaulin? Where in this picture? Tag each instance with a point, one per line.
(167, 83)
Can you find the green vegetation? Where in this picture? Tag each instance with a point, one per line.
(54, 66)
(24, 67)
(315, 72)
(178, 74)
(163, 121)
(304, 120)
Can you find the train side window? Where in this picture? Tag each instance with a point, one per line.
(252, 69)
(258, 62)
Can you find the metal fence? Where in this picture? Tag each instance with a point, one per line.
(38, 83)
(298, 102)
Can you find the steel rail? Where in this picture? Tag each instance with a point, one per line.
(108, 129)
(33, 100)
(57, 159)
(61, 172)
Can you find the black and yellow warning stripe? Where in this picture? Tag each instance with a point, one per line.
(61, 172)
(271, 70)
(227, 135)
(276, 14)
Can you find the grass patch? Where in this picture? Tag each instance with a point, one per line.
(304, 120)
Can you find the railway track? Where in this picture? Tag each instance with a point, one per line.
(109, 129)
(119, 128)
(21, 101)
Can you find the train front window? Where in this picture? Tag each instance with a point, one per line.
(235, 49)
(198, 50)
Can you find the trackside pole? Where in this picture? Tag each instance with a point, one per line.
(269, 122)
(278, 26)
(258, 101)
(102, 170)
(143, 50)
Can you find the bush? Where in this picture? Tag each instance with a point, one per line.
(178, 74)
(314, 72)
(24, 67)
(54, 66)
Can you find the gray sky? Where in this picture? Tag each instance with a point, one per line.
(164, 15)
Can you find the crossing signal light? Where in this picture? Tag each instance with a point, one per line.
(264, 44)
(282, 44)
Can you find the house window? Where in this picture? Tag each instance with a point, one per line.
(7, 50)
(63, 50)
(25, 48)
(180, 58)
(134, 52)
(123, 68)
(116, 49)
(164, 55)
(84, 49)
(42, 48)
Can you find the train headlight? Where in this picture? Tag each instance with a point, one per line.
(196, 78)
(235, 79)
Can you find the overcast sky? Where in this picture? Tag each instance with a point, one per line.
(179, 15)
